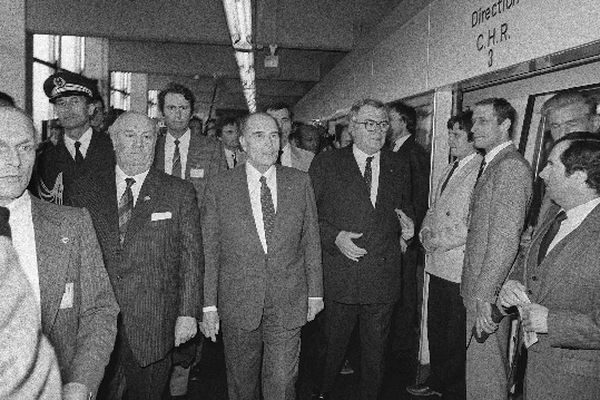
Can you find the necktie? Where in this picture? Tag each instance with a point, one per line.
(454, 166)
(279, 157)
(125, 208)
(368, 175)
(550, 235)
(234, 158)
(78, 155)
(4, 222)
(268, 209)
(481, 168)
(177, 161)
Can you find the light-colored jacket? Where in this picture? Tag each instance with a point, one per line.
(448, 219)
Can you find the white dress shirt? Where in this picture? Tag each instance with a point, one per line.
(85, 140)
(489, 156)
(23, 238)
(286, 155)
(253, 177)
(229, 156)
(184, 146)
(575, 217)
(361, 160)
(399, 142)
(120, 177)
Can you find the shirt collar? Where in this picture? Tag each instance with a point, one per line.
(489, 156)
(465, 160)
(254, 175)
(85, 139)
(184, 138)
(361, 156)
(400, 141)
(139, 178)
(576, 214)
(20, 204)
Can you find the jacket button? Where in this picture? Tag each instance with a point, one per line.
(119, 277)
(447, 213)
(534, 278)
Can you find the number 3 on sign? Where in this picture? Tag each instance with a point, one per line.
(490, 57)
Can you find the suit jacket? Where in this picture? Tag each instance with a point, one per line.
(205, 159)
(301, 158)
(418, 161)
(498, 208)
(29, 368)
(156, 272)
(57, 172)
(448, 218)
(344, 204)
(239, 275)
(71, 270)
(567, 282)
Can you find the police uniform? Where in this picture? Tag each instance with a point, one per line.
(58, 176)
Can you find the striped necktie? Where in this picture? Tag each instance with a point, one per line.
(177, 161)
(125, 208)
(268, 210)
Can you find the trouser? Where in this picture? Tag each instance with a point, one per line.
(446, 333)
(374, 328)
(270, 351)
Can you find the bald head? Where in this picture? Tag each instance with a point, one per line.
(134, 137)
(260, 140)
(17, 153)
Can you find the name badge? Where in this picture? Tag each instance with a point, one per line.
(197, 173)
(161, 216)
(67, 298)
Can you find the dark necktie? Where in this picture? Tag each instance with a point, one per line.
(550, 235)
(454, 166)
(177, 161)
(268, 209)
(481, 168)
(279, 157)
(125, 208)
(234, 158)
(4, 222)
(368, 175)
(78, 155)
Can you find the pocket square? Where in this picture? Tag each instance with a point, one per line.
(67, 298)
(159, 216)
(197, 173)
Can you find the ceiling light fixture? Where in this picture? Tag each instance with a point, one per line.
(239, 22)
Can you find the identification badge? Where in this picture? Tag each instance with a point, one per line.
(159, 216)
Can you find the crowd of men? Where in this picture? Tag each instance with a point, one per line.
(124, 245)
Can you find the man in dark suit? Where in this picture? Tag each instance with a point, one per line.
(405, 322)
(556, 287)
(358, 189)
(149, 225)
(178, 153)
(228, 133)
(60, 255)
(263, 265)
(82, 155)
(498, 208)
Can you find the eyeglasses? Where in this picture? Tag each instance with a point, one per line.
(371, 125)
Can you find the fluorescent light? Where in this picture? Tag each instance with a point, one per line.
(239, 22)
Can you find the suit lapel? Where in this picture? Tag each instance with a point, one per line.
(146, 200)
(557, 260)
(284, 199)
(245, 215)
(50, 241)
(159, 154)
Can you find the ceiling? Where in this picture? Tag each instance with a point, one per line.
(187, 40)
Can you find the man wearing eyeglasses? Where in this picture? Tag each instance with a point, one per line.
(359, 191)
